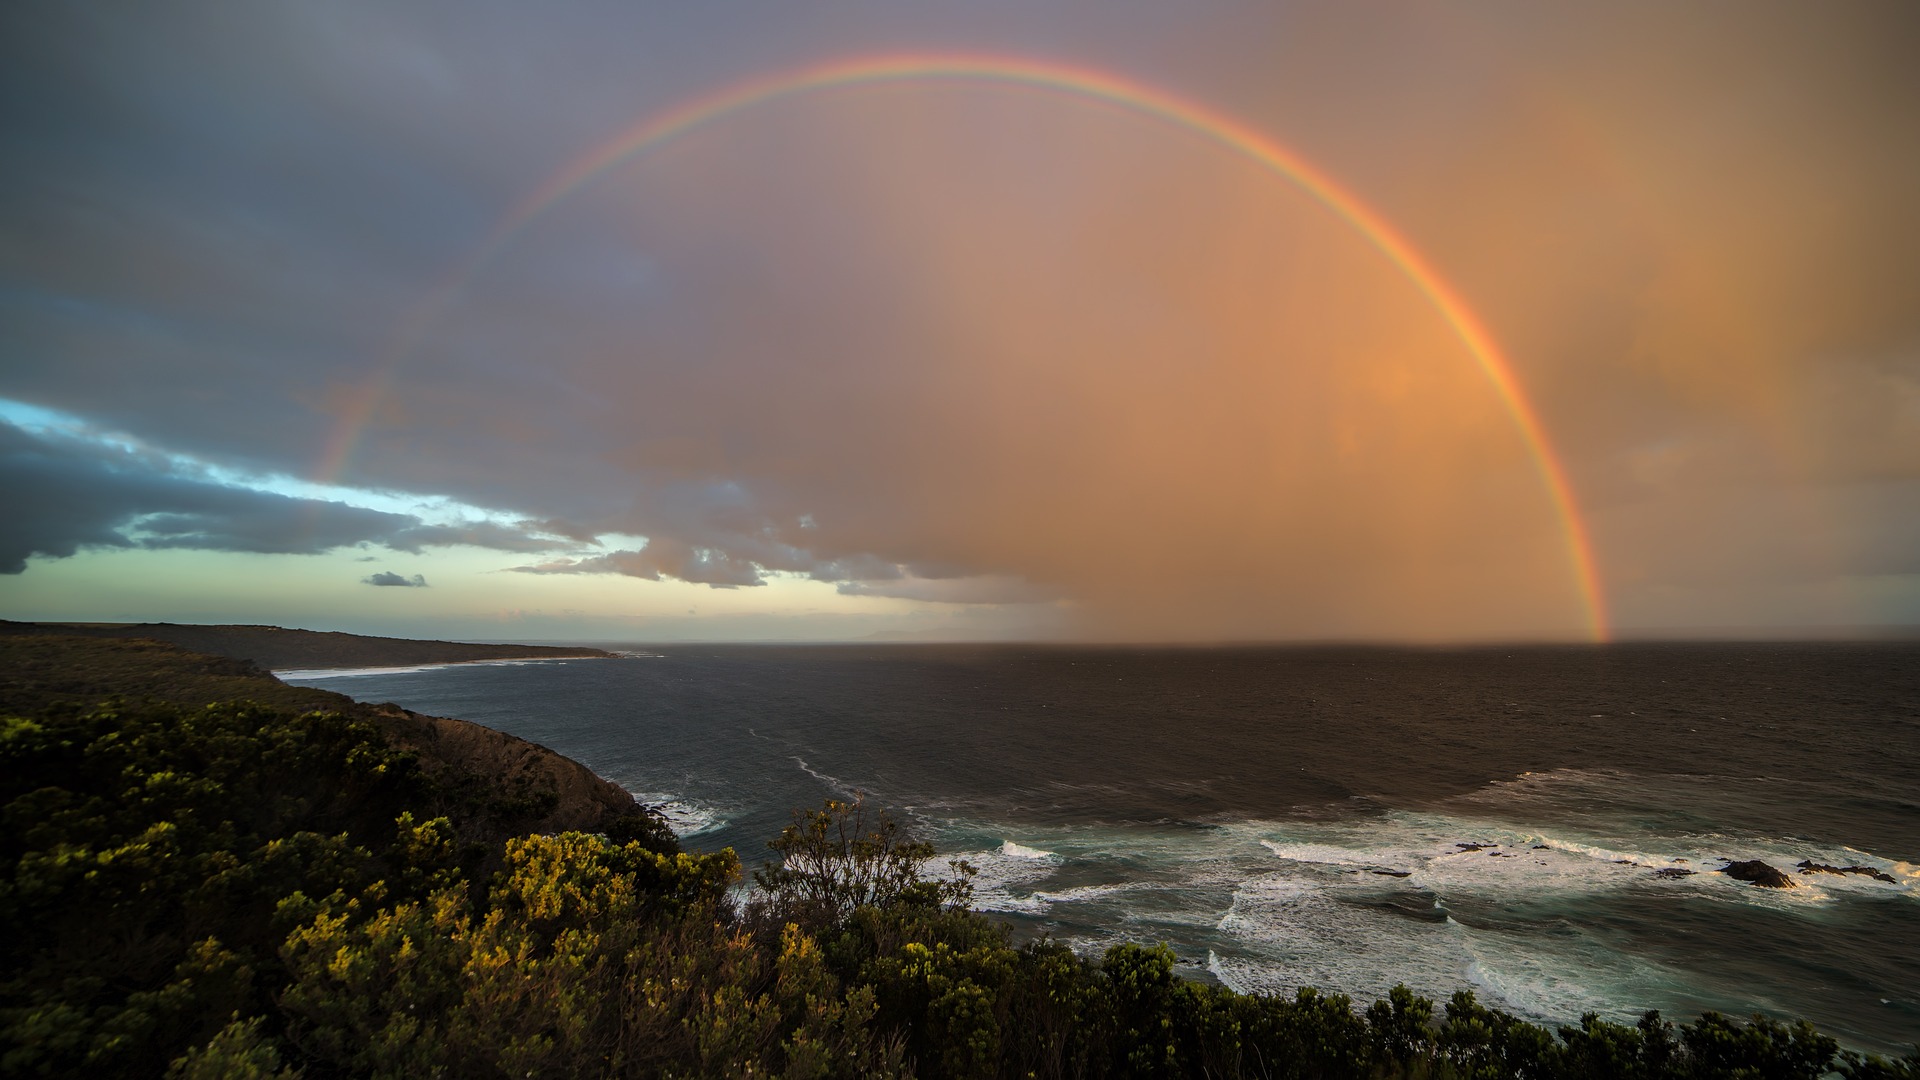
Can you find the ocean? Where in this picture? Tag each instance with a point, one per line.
(1541, 825)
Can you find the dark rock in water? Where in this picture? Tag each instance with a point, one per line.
(1394, 873)
(1625, 862)
(1541, 847)
(1673, 872)
(1808, 866)
(1473, 847)
(1758, 873)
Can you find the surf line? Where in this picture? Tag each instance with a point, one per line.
(1138, 98)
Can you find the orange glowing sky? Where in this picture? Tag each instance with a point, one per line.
(1271, 323)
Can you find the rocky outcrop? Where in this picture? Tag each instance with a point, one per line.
(551, 793)
(1673, 872)
(1756, 872)
(1760, 873)
(1807, 866)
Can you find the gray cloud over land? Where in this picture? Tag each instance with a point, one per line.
(389, 578)
(67, 493)
(855, 577)
(661, 559)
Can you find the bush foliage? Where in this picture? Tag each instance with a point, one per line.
(240, 891)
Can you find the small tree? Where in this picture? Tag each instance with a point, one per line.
(843, 857)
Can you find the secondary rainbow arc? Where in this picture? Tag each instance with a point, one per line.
(1207, 123)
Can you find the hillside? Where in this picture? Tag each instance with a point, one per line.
(529, 788)
(280, 649)
(173, 816)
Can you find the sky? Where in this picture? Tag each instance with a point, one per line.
(983, 320)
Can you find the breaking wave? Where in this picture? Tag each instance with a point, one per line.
(1529, 917)
(685, 818)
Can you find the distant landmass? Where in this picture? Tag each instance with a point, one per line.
(280, 649)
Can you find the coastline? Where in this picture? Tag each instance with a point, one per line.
(317, 674)
(50, 671)
(280, 649)
(473, 799)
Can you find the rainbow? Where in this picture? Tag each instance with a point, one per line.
(1137, 98)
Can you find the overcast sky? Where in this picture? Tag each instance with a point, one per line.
(959, 357)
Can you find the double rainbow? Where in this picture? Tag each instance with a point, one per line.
(1134, 97)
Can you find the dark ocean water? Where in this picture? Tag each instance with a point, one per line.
(1308, 816)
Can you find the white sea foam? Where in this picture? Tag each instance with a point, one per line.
(839, 787)
(1580, 976)
(1213, 965)
(1001, 881)
(1284, 932)
(1455, 855)
(685, 818)
(1086, 869)
(1080, 894)
(1325, 854)
(1438, 901)
(318, 674)
(1360, 934)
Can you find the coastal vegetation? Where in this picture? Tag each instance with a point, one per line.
(206, 873)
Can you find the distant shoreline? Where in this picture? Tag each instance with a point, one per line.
(311, 674)
(278, 649)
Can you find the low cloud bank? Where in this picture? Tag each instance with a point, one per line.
(66, 493)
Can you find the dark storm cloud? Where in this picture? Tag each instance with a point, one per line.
(388, 577)
(259, 195)
(63, 494)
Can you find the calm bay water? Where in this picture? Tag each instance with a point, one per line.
(1347, 818)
